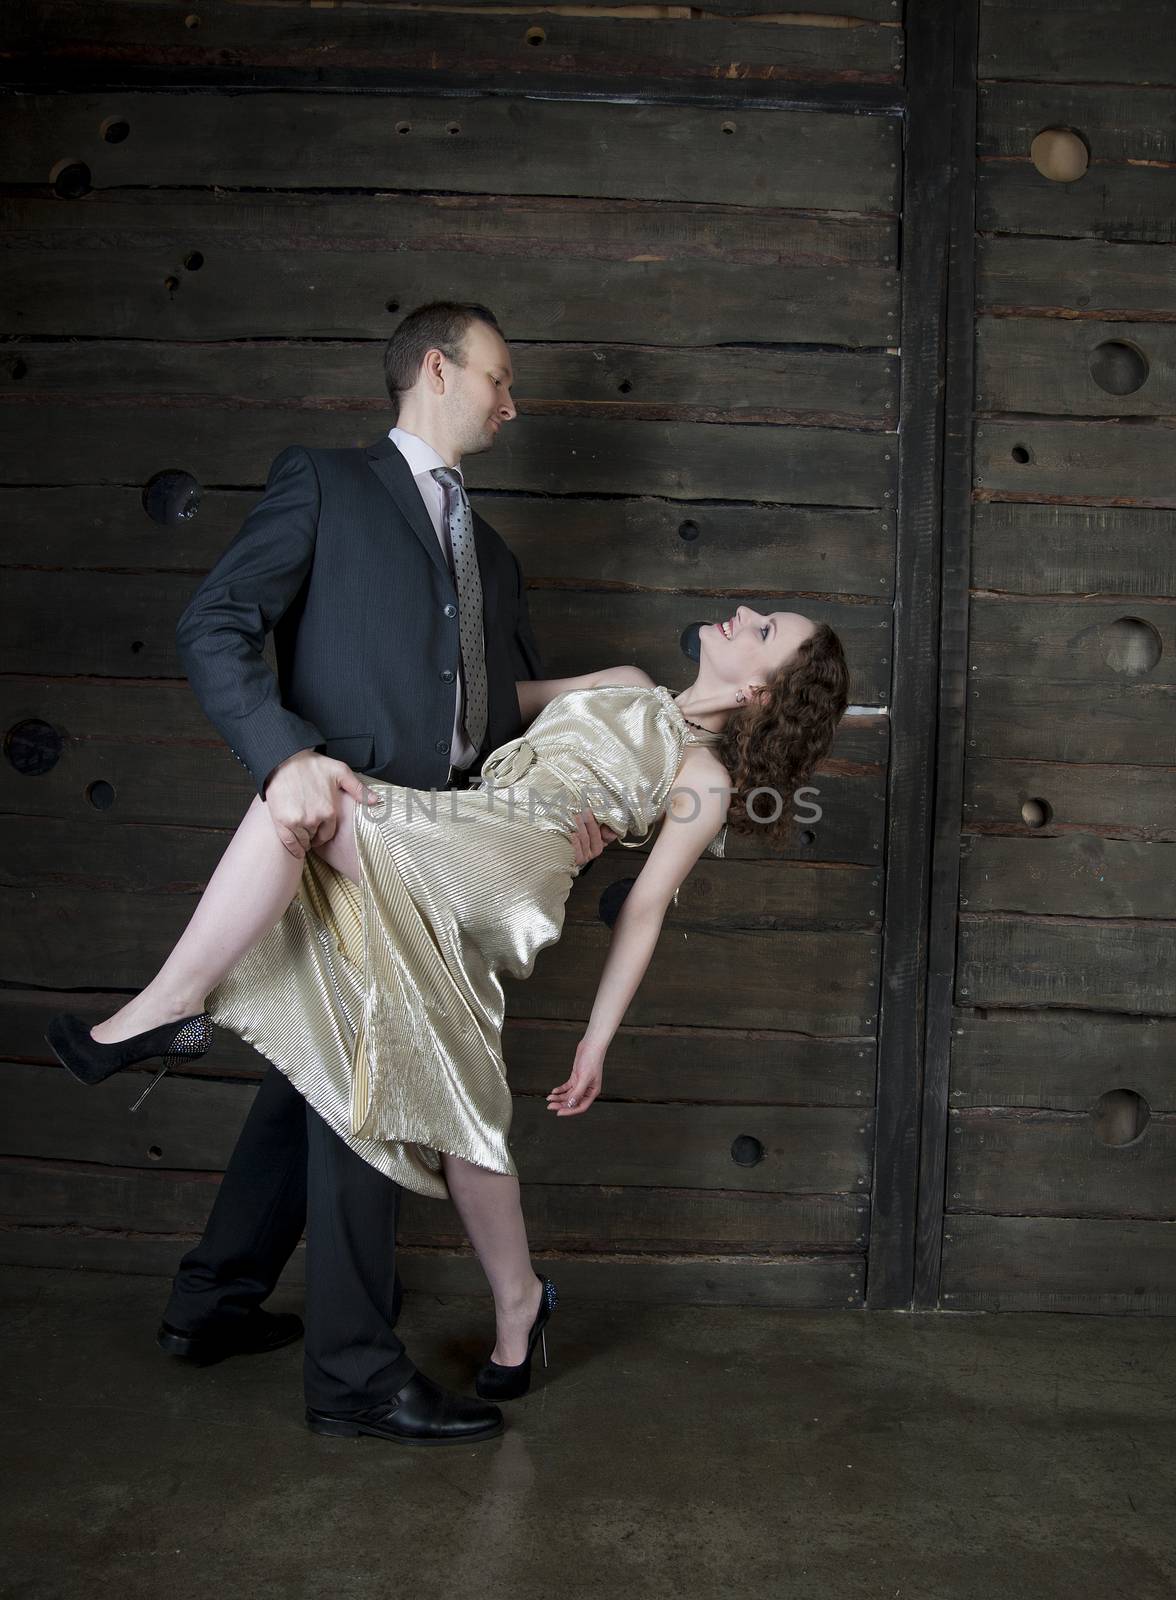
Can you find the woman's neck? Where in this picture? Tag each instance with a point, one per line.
(693, 705)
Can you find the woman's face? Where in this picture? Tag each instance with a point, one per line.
(750, 645)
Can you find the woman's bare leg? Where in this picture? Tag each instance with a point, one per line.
(489, 1207)
(254, 882)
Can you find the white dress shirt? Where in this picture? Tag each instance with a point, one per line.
(422, 458)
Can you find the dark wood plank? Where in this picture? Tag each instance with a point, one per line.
(294, 292)
(723, 1065)
(1123, 121)
(609, 379)
(380, 38)
(1060, 1059)
(150, 743)
(1044, 366)
(1098, 965)
(810, 981)
(875, 10)
(1076, 278)
(710, 549)
(70, 1195)
(1131, 42)
(950, 744)
(820, 1281)
(1095, 798)
(677, 153)
(1129, 463)
(512, 227)
(124, 625)
(936, 36)
(1077, 875)
(1067, 641)
(1052, 1163)
(1112, 201)
(548, 455)
(188, 1124)
(1083, 550)
(1040, 720)
(1059, 1264)
(42, 852)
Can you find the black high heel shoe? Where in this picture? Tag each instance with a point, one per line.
(68, 1037)
(496, 1382)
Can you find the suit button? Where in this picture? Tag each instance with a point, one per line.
(442, 744)
(450, 609)
(448, 675)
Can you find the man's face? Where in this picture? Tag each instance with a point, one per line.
(477, 395)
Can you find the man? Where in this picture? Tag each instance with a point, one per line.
(400, 627)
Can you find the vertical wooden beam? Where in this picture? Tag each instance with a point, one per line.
(955, 567)
(914, 702)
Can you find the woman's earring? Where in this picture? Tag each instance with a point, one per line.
(739, 698)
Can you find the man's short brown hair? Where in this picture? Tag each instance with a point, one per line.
(441, 325)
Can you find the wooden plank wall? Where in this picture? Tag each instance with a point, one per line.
(1062, 1141)
(702, 300)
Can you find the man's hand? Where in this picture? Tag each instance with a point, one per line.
(589, 838)
(303, 796)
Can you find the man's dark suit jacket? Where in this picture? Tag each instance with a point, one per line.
(339, 559)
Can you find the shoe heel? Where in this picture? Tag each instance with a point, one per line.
(166, 1064)
(332, 1427)
(543, 1343)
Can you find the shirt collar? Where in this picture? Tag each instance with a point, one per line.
(421, 456)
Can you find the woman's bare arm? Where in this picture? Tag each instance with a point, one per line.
(696, 813)
(535, 693)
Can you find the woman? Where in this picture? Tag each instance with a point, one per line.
(368, 973)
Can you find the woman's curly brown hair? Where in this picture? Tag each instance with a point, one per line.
(776, 742)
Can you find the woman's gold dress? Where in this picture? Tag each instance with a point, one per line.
(381, 1000)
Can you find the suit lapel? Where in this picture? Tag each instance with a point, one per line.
(393, 472)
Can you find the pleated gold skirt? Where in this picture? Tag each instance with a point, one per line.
(381, 1000)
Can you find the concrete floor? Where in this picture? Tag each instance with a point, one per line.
(672, 1451)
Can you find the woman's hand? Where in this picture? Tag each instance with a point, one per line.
(582, 1087)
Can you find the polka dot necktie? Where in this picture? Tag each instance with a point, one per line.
(459, 520)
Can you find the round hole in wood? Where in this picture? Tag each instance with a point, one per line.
(391, 305)
(1131, 645)
(404, 127)
(1118, 367)
(1036, 813)
(18, 368)
(115, 129)
(192, 20)
(70, 179)
(806, 836)
(171, 497)
(33, 747)
(1120, 1116)
(171, 284)
(625, 386)
(100, 794)
(688, 530)
(154, 1152)
(453, 127)
(1021, 454)
(728, 127)
(1060, 154)
(136, 646)
(746, 1151)
(194, 260)
(536, 37)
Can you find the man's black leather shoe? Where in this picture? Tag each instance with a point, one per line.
(420, 1413)
(242, 1336)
